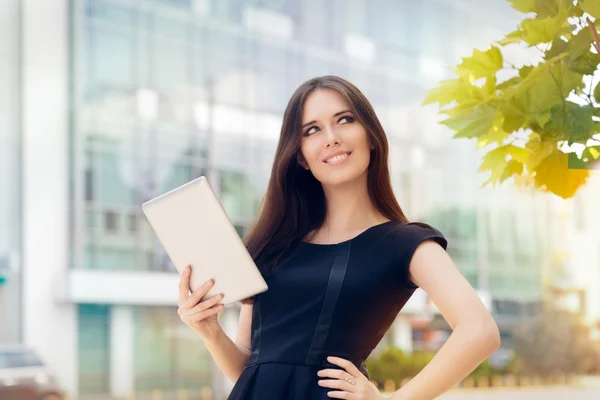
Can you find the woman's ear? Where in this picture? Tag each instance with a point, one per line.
(302, 162)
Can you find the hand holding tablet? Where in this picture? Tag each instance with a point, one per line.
(199, 315)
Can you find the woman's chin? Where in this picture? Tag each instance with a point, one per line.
(337, 178)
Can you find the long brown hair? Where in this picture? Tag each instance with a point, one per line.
(294, 203)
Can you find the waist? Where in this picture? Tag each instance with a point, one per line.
(319, 362)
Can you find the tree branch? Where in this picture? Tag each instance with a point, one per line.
(594, 34)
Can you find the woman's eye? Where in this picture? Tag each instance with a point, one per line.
(308, 131)
(349, 118)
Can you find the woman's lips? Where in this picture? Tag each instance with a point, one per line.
(339, 161)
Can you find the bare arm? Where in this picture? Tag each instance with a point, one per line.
(474, 337)
(232, 357)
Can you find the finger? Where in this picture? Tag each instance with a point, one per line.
(198, 294)
(201, 315)
(337, 384)
(184, 285)
(340, 395)
(346, 364)
(205, 304)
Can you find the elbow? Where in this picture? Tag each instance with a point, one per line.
(489, 334)
(485, 333)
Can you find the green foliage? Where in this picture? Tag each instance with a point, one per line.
(534, 101)
(394, 364)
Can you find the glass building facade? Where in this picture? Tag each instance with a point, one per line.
(165, 91)
(10, 173)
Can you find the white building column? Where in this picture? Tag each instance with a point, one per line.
(402, 335)
(122, 326)
(49, 326)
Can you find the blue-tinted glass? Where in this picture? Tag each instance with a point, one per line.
(228, 10)
(93, 348)
(177, 3)
(112, 58)
(110, 11)
(115, 187)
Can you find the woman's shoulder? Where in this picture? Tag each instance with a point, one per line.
(408, 235)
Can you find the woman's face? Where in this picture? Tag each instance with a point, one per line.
(330, 127)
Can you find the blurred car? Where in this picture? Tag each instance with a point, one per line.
(22, 371)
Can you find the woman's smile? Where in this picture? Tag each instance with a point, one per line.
(337, 160)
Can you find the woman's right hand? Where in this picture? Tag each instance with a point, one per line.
(200, 316)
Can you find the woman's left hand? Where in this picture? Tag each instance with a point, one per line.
(351, 382)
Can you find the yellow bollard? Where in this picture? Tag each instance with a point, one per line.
(389, 385)
(468, 382)
(483, 382)
(496, 381)
(206, 393)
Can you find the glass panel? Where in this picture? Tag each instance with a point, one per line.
(167, 354)
(116, 46)
(93, 348)
(115, 185)
(116, 258)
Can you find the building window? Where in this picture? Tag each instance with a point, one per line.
(133, 223)
(110, 222)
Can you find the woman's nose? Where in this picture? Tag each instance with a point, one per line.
(331, 136)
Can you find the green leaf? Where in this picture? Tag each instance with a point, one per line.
(597, 93)
(551, 8)
(489, 88)
(513, 167)
(476, 123)
(494, 135)
(591, 7)
(586, 64)
(442, 94)
(574, 162)
(496, 160)
(525, 6)
(460, 90)
(558, 46)
(539, 149)
(481, 63)
(579, 124)
(509, 83)
(545, 30)
(591, 153)
(580, 43)
(573, 123)
(514, 117)
(513, 37)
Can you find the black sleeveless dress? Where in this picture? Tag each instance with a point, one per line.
(328, 300)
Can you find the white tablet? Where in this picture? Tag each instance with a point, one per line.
(193, 227)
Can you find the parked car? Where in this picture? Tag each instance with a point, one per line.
(22, 372)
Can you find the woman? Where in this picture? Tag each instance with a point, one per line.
(341, 260)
